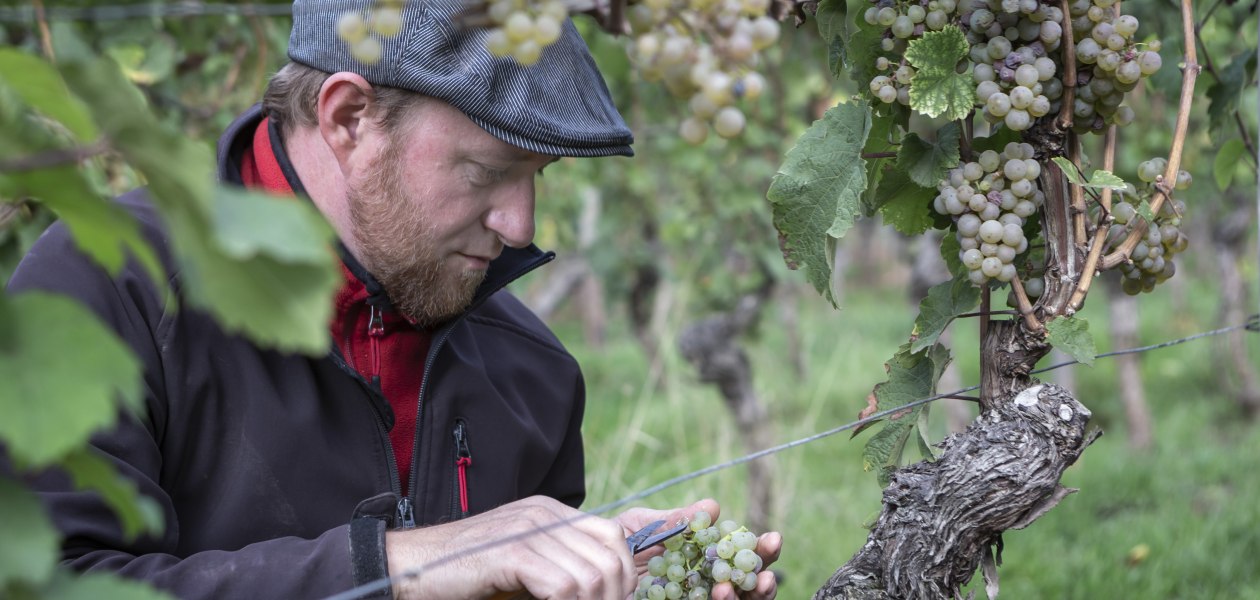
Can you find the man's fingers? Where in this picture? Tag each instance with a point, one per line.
(768, 547)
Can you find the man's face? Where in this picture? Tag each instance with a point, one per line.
(439, 202)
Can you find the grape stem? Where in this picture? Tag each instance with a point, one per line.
(1188, 76)
(986, 394)
(1077, 192)
(1100, 230)
(1069, 68)
(964, 144)
(1025, 306)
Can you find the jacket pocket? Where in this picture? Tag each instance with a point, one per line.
(463, 460)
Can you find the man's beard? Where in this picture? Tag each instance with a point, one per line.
(398, 246)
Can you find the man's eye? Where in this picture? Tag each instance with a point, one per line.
(487, 176)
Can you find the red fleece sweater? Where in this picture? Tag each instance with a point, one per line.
(393, 350)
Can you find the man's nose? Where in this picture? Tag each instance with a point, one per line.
(512, 216)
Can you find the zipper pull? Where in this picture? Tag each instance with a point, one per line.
(376, 330)
(463, 458)
(406, 514)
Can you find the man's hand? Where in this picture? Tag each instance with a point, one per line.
(768, 546)
(552, 551)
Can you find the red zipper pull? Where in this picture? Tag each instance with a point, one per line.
(462, 461)
(376, 330)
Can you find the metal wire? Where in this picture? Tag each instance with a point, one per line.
(1252, 324)
(119, 12)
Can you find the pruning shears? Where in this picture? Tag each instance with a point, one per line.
(645, 538)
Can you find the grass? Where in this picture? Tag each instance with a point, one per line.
(1193, 502)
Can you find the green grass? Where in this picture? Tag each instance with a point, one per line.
(1193, 500)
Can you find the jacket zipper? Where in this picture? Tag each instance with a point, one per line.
(463, 460)
(436, 345)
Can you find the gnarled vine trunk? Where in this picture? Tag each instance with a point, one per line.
(943, 519)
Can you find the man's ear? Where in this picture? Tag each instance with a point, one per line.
(343, 109)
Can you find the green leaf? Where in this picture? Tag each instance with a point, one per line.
(99, 586)
(1227, 159)
(1071, 335)
(41, 87)
(944, 302)
(1099, 179)
(816, 195)
(830, 17)
(861, 50)
(1144, 211)
(1069, 170)
(277, 291)
(278, 303)
(950, 250)
(879, 140)
(937, 89)
(1224, 94)
(31, 546)
(249, 224)
(101, 229)
(137, 513)
(911, 376)
(61, 374)
(904, 204)
(927, 162)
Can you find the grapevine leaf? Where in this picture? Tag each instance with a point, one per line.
(944, 302)
(937, 89)
(831, 27)
(927, 162)
(100, 586)
(61, 372)
(905, 205)
(925, 446)
(1099, 179)
(249, 224)
(1227, 161)
(136, 512)
(275, 290)
(872, 196)
(101, 229)
(950, 249)
(1144, 211)
(861, 49)
(1069, 170)
(1071, 335)
(995, 141)
(40, 86)
(911, 376)
(879, 140)
(31, 544)
(816, 194)
(1225, 93)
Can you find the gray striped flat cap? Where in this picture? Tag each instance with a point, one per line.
(559, 106)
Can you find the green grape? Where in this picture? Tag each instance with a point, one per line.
(351, 27)
(729, 122)
(366, 51)
(1149, 62)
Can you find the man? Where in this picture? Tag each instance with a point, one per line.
(446, 415)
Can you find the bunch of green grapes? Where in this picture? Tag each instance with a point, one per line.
(904, 20)
(703, 556)
(523, 28)
(1151, 261)
(1111, 62)
(1013, 50)
(705, 52)
(362, 31)
(990, 200)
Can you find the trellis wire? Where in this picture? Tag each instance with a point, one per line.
(118, 12)
(1252, 324)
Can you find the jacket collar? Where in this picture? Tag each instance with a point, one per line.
(508, 267)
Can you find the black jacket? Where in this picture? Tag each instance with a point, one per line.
(274, 471)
